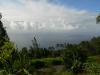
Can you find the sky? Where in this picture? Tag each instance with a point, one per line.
(50, 21)
(90, 5)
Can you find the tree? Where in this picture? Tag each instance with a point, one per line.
(3, 34)
(95, 42)
(34, 49)
(98, 19)
(6, 47)
(6, 52)
(35, 44)
(74, 58)
(22, 62)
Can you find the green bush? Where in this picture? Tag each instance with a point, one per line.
(74, 58)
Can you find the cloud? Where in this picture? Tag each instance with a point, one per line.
(51, 23)
(40, 15)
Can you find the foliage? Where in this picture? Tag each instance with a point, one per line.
(3, 35)
(5, 51)
(98, 19)
(45, 62)
(92, 65)
(74, 58)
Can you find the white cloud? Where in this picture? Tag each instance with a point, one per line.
(55, 23)
(42, 16)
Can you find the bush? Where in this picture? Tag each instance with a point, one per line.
(38, 64)
(56, 62)
(74, 57)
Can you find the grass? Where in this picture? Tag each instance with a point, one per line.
(91, 66)
(48, 61)
(63, 73)
(50, 66)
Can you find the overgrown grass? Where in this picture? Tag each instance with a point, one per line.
(92, 66)
(46, 62)
(63, 73)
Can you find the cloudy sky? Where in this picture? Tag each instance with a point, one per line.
(50, 21)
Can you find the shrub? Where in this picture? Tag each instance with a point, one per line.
(56, 62)
(46, 62)
(38, 64)
(74, 57)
